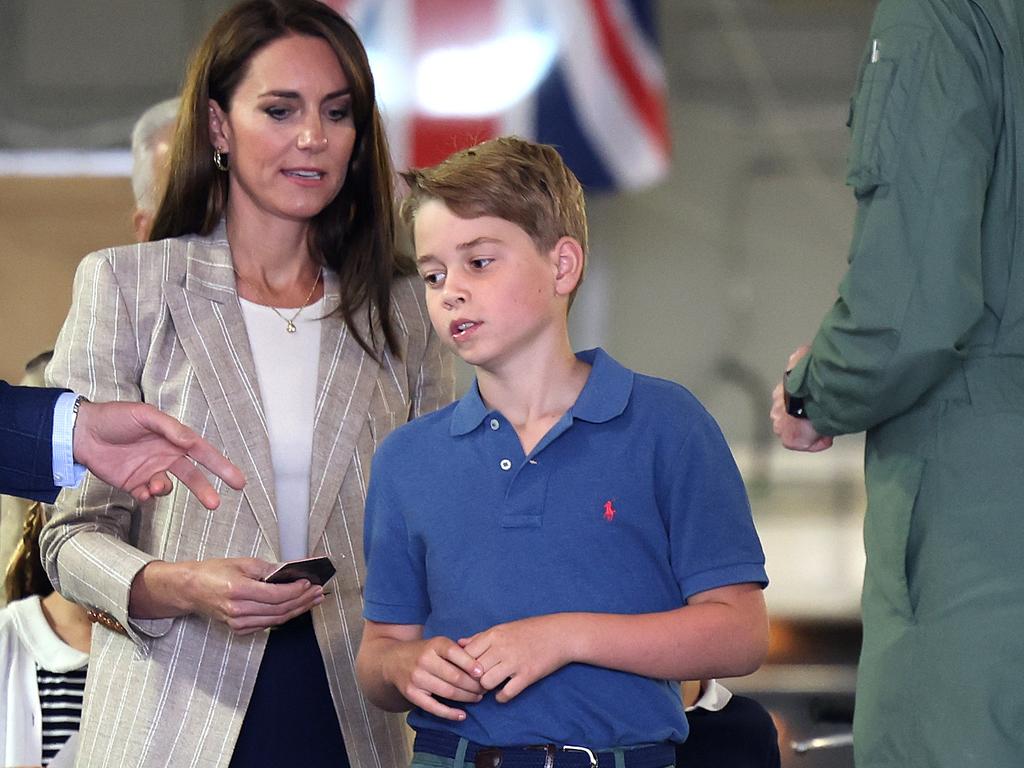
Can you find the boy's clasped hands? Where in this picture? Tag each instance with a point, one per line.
(510, 656)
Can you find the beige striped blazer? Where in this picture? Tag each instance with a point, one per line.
(161, 322)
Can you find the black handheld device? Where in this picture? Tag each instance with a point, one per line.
(317, 569)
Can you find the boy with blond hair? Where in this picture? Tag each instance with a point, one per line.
(549, 554)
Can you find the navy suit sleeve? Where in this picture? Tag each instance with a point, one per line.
(26, 451)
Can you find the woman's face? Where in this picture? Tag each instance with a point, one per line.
(289, 131)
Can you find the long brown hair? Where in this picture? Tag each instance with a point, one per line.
(354, 234)
(25, 575)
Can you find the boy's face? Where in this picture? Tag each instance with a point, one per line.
(492, 296)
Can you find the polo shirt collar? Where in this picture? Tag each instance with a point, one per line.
(604, 396)
(606, 393)
(469, 412)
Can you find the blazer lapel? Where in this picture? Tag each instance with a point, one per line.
(208, 320)
(347, 378)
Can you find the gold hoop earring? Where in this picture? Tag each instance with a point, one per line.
(220, 160)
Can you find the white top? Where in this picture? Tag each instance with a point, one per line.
(287, 370)
(25, 640)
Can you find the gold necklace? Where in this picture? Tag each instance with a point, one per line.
(289, 321)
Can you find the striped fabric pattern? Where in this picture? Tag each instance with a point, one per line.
(161, 322)
(60, 699)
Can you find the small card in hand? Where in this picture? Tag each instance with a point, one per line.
(317, 569)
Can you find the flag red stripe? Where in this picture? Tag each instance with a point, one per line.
(434, 138)
(649, 102)
(439, 23)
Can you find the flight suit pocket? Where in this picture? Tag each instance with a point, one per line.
(889, 85)
(893, 489)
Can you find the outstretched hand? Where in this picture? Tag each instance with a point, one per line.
(134, 446)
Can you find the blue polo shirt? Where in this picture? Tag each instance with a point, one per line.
(630, 504)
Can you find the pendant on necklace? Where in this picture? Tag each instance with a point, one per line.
(291, 327)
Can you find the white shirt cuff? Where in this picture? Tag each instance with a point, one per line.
(65, 472)
(714, 697)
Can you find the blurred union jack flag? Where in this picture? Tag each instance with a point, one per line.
(584, 75)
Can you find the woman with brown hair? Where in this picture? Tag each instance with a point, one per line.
(271, 315)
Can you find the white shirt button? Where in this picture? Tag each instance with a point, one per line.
(505, 464)
(495, 424)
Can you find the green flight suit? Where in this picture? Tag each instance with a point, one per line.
(924, 350)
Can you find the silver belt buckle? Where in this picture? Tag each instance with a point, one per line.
(588, 752)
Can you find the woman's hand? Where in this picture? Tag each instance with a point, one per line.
(228, 590)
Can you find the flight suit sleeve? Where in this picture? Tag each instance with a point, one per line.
(925, 126)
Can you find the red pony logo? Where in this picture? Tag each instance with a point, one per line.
(609, 511)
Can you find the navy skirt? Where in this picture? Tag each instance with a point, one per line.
(291, 718)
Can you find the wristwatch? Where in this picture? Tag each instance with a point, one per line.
(794, 405)
(74, 413)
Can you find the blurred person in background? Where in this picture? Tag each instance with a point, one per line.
(270, 313)
(13, 509)
(44, 652)
(924, 350)
(151, 149)
(726, 730)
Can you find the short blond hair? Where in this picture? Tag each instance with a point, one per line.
(509, 178)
